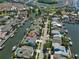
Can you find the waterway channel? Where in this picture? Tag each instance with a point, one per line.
(7, 51)
(74, 34)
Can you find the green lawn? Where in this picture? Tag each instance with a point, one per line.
(48, 44)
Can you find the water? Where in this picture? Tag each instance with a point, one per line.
(7, 51)
(74, 34)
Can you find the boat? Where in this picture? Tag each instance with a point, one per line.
(12, 35)
(27, 29)
(66, 31)
(76, 56)
(14, 48)
(31, 22)
(70, 43)
(1, 47)
(69, 39)
(18, 25)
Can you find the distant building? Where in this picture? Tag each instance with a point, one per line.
(72, 3)
(21, 1)
(69, 3)
(9, 6)
(61, 3)
(76, 4)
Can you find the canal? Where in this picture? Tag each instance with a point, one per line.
(7, 51)
(74, 34)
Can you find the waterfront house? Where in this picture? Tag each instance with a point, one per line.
(5, 28)
(55, 19)
(2, 34)
(55, 33)
(24, 52)
(57, 39)
(30, 39)
(59, 49)
(57, 56)
(54, 23)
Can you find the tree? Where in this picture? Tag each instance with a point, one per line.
(59, 12)
(65, 41)
(50, 10)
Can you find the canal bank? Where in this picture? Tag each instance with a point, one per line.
(7, 51)
(74, 34)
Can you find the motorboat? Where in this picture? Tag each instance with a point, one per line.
(12, 35)
(69, 39)
(76, 56)
(18, 25)
(27, 29)
(70, 43)
(66, 31)
(14, 48)
(1, 47)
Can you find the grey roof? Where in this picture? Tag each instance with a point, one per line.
(24, 51)
(2, 19)
(7, 27)
(57, 40)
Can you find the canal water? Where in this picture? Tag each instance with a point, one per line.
(74, 34)
(7, 51)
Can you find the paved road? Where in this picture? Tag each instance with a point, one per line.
(6, 52)
(41, 56)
